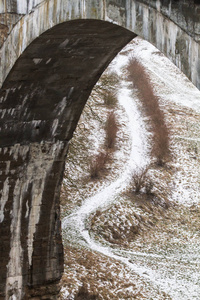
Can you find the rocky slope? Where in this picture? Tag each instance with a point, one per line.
(125, 245)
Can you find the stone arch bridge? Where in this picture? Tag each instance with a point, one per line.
(52, 53)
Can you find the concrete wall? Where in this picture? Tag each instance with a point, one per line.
(173, 27)
(52, 53)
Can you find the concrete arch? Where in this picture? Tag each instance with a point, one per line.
(172, 26)
(49, 65)
(41, 101)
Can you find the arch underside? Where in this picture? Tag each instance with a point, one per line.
(40, 104)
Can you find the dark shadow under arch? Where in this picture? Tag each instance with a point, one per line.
(53, 78)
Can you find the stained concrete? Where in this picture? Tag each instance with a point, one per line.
(52, 53)
(40, 103)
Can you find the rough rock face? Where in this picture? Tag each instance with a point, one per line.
(50, 61)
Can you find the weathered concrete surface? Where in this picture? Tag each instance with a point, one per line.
(40, 103)
(50, 61)
(172, 26)
(29, 218)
